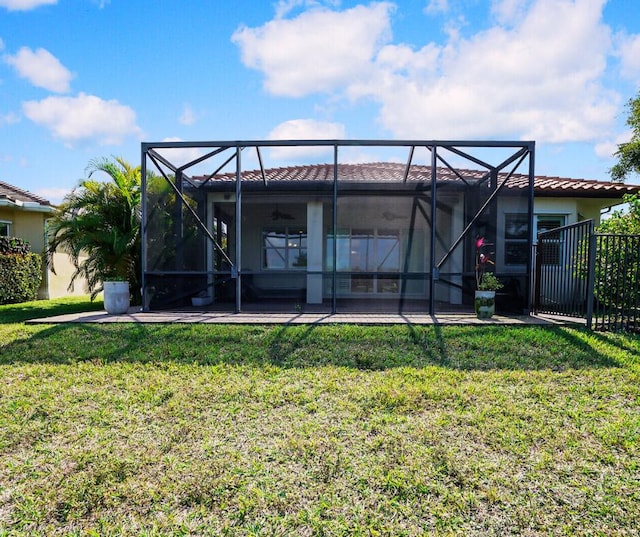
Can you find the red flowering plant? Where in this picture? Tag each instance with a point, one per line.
(485, 281)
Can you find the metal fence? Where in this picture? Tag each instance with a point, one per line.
(580, 273)
(617, 283)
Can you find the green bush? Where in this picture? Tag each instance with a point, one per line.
(13, 245)
(20, 271)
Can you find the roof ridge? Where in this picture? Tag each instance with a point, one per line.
(25, 194)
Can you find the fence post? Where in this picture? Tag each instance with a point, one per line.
(537, 276)
(591, 276)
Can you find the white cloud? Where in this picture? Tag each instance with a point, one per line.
(179, 156)
(22, 161)
(304, 129)
(85, 117)
(9, 119)
(307, 129)
(187, 117)
(284, 7)
(539, 80)
(54, 195)
(25, 5)
(629, 51)
(536, 74)
(509, 11)
(607, 148)
(317, 51)
(41, 68)
(437, 6)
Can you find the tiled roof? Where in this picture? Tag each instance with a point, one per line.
(18, 196)
(558, 186)
(391, 172)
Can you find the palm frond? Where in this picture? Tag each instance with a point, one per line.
(98, 224)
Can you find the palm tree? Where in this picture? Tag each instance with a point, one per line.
(98, 225)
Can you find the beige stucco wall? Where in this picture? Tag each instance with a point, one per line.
(576, 209)
(26, 225)
(58, 283)
(30, 226)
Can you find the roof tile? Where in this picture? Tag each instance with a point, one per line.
(13, 193)
(389, 172)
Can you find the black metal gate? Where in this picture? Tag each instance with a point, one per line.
(564, 271)
(589, 275)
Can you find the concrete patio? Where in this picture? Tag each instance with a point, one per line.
(134, 315)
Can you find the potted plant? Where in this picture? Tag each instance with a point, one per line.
(98, 225)
(486, 283)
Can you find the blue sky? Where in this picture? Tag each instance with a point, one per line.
(83, 79)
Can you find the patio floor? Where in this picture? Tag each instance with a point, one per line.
(134, 315)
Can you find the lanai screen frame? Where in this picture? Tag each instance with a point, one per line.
(521, 152)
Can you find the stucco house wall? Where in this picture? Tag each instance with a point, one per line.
(27, 225)
(25, 215)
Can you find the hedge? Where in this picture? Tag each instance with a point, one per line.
(13, 245)
(20, 271)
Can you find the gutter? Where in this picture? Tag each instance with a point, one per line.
(31, 206)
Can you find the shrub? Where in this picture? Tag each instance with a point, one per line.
(20, 271)
(13, 245)
(489, 282)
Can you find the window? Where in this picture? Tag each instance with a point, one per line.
(547, 222)
(516, 239)
(367, 251)
(284, 248)
(552, 253)
(5, 228)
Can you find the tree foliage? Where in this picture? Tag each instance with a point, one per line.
(628, 153)
(624, 222)
(20, 271)
(98, 225)
(617, 270)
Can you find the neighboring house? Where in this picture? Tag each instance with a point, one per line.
(362, 237)
(24, 215)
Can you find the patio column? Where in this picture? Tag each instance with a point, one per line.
(314, 252)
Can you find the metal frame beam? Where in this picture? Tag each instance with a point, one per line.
(460, 149)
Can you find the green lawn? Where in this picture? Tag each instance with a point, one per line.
(315, 430)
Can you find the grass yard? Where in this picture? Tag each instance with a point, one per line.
(325, 430)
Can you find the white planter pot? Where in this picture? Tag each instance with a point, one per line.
(116, 297)
(485, 304)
